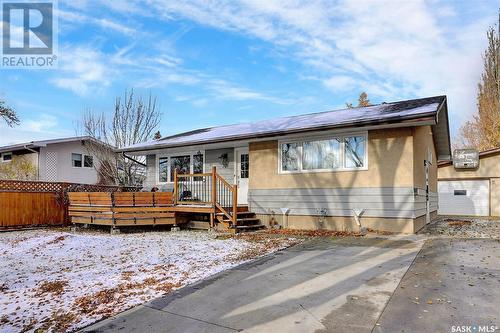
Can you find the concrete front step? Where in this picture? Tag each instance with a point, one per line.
(247, 227)
(244, 221)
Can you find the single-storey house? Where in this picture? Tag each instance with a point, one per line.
(56, 160)
(471, 192)
(375, 166)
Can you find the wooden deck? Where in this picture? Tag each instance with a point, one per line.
(193, 194)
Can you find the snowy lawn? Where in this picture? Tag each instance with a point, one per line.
(56, 281)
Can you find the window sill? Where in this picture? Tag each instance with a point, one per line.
(322, 171)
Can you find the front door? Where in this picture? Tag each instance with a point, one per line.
(241, 174)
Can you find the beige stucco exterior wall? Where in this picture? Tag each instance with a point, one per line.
(422, 144)
(390, 164)
(31, 157)
(488, 167)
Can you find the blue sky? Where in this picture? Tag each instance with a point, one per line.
(212, 63)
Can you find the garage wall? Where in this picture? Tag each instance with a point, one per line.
(488, 167)
(495, 196)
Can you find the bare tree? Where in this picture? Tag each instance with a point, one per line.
(8, 114)
(134, 120)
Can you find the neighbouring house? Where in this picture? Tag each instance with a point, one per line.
(472, 192)
(56, 160)
(376, 165)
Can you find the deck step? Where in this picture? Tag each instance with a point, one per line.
(254, 226)
(244, 220)
(237, 214)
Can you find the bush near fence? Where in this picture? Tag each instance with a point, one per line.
(39, 203)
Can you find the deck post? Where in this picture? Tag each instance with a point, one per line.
(214, 196)
(214, 186)
(175, 187)
(235, 204)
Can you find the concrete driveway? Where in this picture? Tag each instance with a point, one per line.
(452, 283)
(324, 285)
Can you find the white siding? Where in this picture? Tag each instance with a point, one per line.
(475, 202)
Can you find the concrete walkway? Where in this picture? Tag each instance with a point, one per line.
(324, 285)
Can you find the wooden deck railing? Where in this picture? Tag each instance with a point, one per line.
(207, 189)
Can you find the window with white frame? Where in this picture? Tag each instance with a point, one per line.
(81, 160)
(345, 152)
(76, 160)
(184, 163)
(88, 161)
(6, 157)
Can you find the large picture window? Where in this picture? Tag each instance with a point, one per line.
(346, 152)
(184, 163)
(321, 154)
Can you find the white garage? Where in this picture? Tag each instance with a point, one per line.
(464, 197)
(474, 192)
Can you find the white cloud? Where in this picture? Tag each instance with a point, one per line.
(44, 123)
(45, 126)
(395, 49)
(104, 23)
(83, 70)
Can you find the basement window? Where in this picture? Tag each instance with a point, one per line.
(460, 192)
(6, 157)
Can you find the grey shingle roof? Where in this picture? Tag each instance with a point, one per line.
(378, 114)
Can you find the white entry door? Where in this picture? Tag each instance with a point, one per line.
(241, 174)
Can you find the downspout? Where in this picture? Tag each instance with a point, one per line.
(357, 213)
(37, 160)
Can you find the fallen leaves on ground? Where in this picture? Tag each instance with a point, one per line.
(313, 233)
(55, 281)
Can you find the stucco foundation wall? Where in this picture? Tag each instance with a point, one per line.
(308, 222)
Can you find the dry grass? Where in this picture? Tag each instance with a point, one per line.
(458, 223)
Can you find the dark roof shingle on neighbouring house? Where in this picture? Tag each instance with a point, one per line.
(394, 112)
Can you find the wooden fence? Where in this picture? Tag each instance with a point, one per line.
(36, 203)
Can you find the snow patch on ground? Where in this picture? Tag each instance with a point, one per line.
(60, 281)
